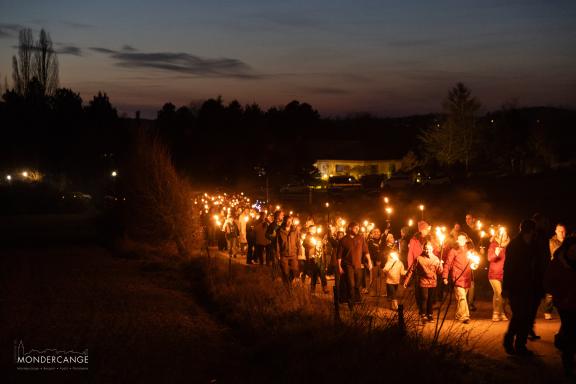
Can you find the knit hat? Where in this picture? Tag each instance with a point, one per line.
(422, 225)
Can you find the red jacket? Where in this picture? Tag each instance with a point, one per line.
(496, 270)
(458, 266)
(426, 270)
(415, 248)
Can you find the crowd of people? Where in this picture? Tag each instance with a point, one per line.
(524, 272)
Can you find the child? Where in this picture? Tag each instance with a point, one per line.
(393, 269)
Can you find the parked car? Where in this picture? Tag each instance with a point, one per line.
(343, 183)
(399, 180)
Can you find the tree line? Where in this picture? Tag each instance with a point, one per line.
(55, 130)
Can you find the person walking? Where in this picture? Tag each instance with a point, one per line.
(458, 268)
(289, 249)
(521, 285)
(313, 263)
(428, 265)
(496, 258)
(352, 251)
(559, 281)
(555, 243)
(262, 243)
(231, 233)
(393, 271)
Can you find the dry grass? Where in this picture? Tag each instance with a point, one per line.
(289, 335)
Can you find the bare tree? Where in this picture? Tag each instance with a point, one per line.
(35, 60)
(46, 63)
(22, 65)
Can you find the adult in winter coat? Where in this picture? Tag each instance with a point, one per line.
(351, 254)
(262, 248)
(313, 265)
(289, 249)
(522, 285)
(496, 257)
(559, 281)
(555, 243)
(458, 268)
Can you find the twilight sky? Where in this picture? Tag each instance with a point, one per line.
(389, 58)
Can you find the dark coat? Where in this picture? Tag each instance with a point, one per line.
(523, 268)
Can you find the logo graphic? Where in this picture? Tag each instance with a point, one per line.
(49, 359)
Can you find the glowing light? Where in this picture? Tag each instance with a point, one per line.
(474, 260)
(246, 218)
(8, 177)
(114, 173)
(365, 223)
(478, 225)
(24, 174)
(319, 230)
(394, 256)
(327, 204)
(386, 200)
(440, 235)
(278, 207)
(421, 207)
(388, 210)
(410, 222)
(291, 213)
(482, 234)
(314, 241)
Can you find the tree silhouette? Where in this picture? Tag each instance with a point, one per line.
(45, 67)
(36, 60)
(22, 65)
(457, 139)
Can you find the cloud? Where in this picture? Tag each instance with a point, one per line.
(179, 62)
(102, 50)
(129, 48)
(69, 50)
(10, 30)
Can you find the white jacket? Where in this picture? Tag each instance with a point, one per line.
(394, 269)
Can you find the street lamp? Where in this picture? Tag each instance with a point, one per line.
(114, 173)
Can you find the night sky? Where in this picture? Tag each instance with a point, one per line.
(388, 58)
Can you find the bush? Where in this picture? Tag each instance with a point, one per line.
(159, 210)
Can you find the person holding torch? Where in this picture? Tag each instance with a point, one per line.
(459, 268)
(497, 257)
(352, 250)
